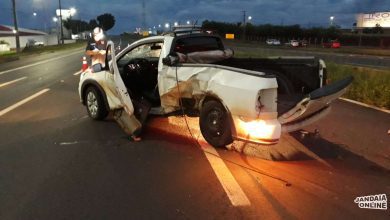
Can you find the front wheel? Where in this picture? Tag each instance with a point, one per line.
(95, 104)
(214, 124)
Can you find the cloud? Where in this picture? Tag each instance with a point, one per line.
(129, 13)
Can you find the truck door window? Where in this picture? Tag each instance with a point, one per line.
(197, 44)
(150, 51)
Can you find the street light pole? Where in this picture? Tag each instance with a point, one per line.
(62, 31)
(244, 33)
(16, 27)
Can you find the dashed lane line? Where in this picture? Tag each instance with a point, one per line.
(13, 81)
(231, 187)
(24, 101)
(229, 184)
(77, 73)
(38, 63)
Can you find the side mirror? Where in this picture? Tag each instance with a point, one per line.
(170, 60)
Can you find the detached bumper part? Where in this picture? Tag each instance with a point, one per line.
(314, 106)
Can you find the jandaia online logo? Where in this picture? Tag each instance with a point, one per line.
(372, 202)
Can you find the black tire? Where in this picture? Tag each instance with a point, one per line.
(214, 124)
(94, 102)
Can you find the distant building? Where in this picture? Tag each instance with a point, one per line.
(25, 35)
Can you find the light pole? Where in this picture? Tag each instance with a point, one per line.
(331, 20)
(55, 20)
(62, 31)
(16, 31)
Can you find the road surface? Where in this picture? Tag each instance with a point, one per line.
(56, 163)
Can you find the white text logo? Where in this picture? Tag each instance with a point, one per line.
(372, 202)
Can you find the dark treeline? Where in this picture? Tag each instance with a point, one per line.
(272, 31)
(105, 21)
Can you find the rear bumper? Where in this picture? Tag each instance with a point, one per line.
(294, 126)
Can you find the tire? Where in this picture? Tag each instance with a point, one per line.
(214, 124)
(94, 102)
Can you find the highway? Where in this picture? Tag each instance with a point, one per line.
(381, 62)
(57, 163)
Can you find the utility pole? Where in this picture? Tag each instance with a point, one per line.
(62, 31)
(244, 23)
(16, 30)
(143, 16)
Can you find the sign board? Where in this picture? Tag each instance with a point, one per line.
(145, 33)
(371, 20)
(64, 12)
(229, 36)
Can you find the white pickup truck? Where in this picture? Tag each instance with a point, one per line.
(247, 99)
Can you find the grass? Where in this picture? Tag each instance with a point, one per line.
(38, 50)
(370, 86)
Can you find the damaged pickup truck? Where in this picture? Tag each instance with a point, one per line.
(253, 100)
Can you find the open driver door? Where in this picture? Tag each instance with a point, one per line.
(124, 117)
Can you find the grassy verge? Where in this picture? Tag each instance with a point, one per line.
(38, 50)
(370, 86)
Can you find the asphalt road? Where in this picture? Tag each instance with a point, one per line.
(56, 163)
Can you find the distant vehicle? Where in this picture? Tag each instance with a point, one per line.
(331, 44)
(303, 43)
(273, 42)
(294, 43)
(34, 43)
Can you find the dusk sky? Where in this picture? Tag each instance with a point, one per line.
(128, 12)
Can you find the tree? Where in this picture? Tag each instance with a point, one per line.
(106, 21)
(92, 24)
(377, 29)
(76, 26)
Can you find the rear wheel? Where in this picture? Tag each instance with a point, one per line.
(214, 124)
(94, 102)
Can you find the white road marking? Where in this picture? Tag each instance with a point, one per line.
(14, 106)
(13, 81)
(68, 143)
(232, 188)
(77, 73)
(38, 63)
(365, 105)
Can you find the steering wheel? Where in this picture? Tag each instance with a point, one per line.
(138, 66)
